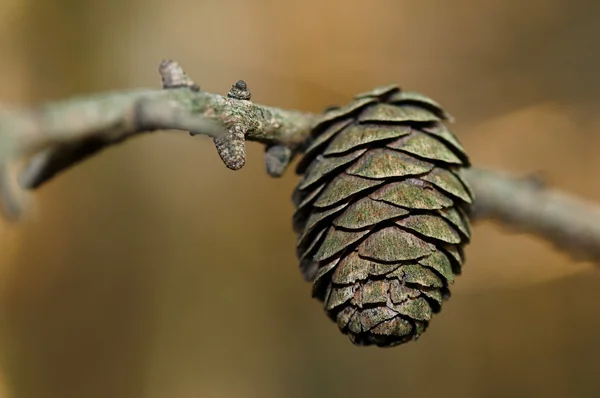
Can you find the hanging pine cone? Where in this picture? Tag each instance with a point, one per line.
(381, 214)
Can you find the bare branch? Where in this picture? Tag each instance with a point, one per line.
(58, 135)
(525, 205)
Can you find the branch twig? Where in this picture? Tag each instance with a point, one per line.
(525, 205)
(58, 135)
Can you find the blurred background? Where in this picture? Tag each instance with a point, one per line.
(152, 271)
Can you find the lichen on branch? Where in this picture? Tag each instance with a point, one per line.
(55, 136)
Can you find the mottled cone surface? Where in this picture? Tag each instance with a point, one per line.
(381, 214)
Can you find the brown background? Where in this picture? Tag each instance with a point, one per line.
(152, 271)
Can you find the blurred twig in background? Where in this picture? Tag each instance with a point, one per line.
(526, 205)
(60, 134)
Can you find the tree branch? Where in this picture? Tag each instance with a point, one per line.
(525, 205)
(56, 136)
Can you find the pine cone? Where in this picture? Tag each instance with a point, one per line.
(381, 213)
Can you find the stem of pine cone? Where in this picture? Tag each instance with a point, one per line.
(58, 135)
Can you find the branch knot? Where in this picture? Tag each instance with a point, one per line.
(232, 147)
(173, 76)
(240, 91)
